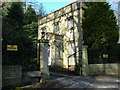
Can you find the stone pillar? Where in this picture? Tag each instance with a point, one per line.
(44, 63)
(85, 67)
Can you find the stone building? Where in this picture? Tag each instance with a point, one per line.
(60, 36)
(60, 43)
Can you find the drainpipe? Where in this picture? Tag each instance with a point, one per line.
(80, 39)
(74, 37)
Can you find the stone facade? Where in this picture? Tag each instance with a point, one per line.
(61, 43)
(62, 29)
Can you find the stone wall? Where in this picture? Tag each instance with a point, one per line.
(104, 69)
(30, 77)
(11, 76)
(98, 69)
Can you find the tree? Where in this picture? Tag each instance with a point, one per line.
(31, 28)
(41, 12)
(32, 31)
(38, 7)
(12, 22)
(30, 15)
(33, 12)
(19, 29)
(100, 29)
(12, 33)
(31, 24)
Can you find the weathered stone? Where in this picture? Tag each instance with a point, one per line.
(65, 35)
(69, 37)
(85, 67)
(44, 63)
(11, 76)
(97, 69)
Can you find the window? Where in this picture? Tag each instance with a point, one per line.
(44, 29)
(71, 48)
(70, 22)
(43, 32)
(71, 34)
(59, 51)
(56, 27)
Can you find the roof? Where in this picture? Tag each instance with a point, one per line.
(58, 10)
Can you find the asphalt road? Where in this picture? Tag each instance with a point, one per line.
(68, 81)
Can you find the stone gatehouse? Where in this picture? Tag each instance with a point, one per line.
(60, 36)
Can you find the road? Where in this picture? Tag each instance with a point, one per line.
(68, 81)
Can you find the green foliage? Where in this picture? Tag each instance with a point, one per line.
(12, 33)
(31, 25)
(30, 15)
(19, 28)
(13, 23)
(11, 27)
(114, 56)
(39, 9)
(32, 30)
(100, 27)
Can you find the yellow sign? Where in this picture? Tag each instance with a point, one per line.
(12, 47)
(105, 55)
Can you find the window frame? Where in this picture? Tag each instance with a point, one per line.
(56, 27)
(59, 49)
(71, 48)
(44, 29)
(70, 22)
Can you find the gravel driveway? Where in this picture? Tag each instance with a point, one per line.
(67, 81)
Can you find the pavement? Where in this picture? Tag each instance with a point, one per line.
(71, 81)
